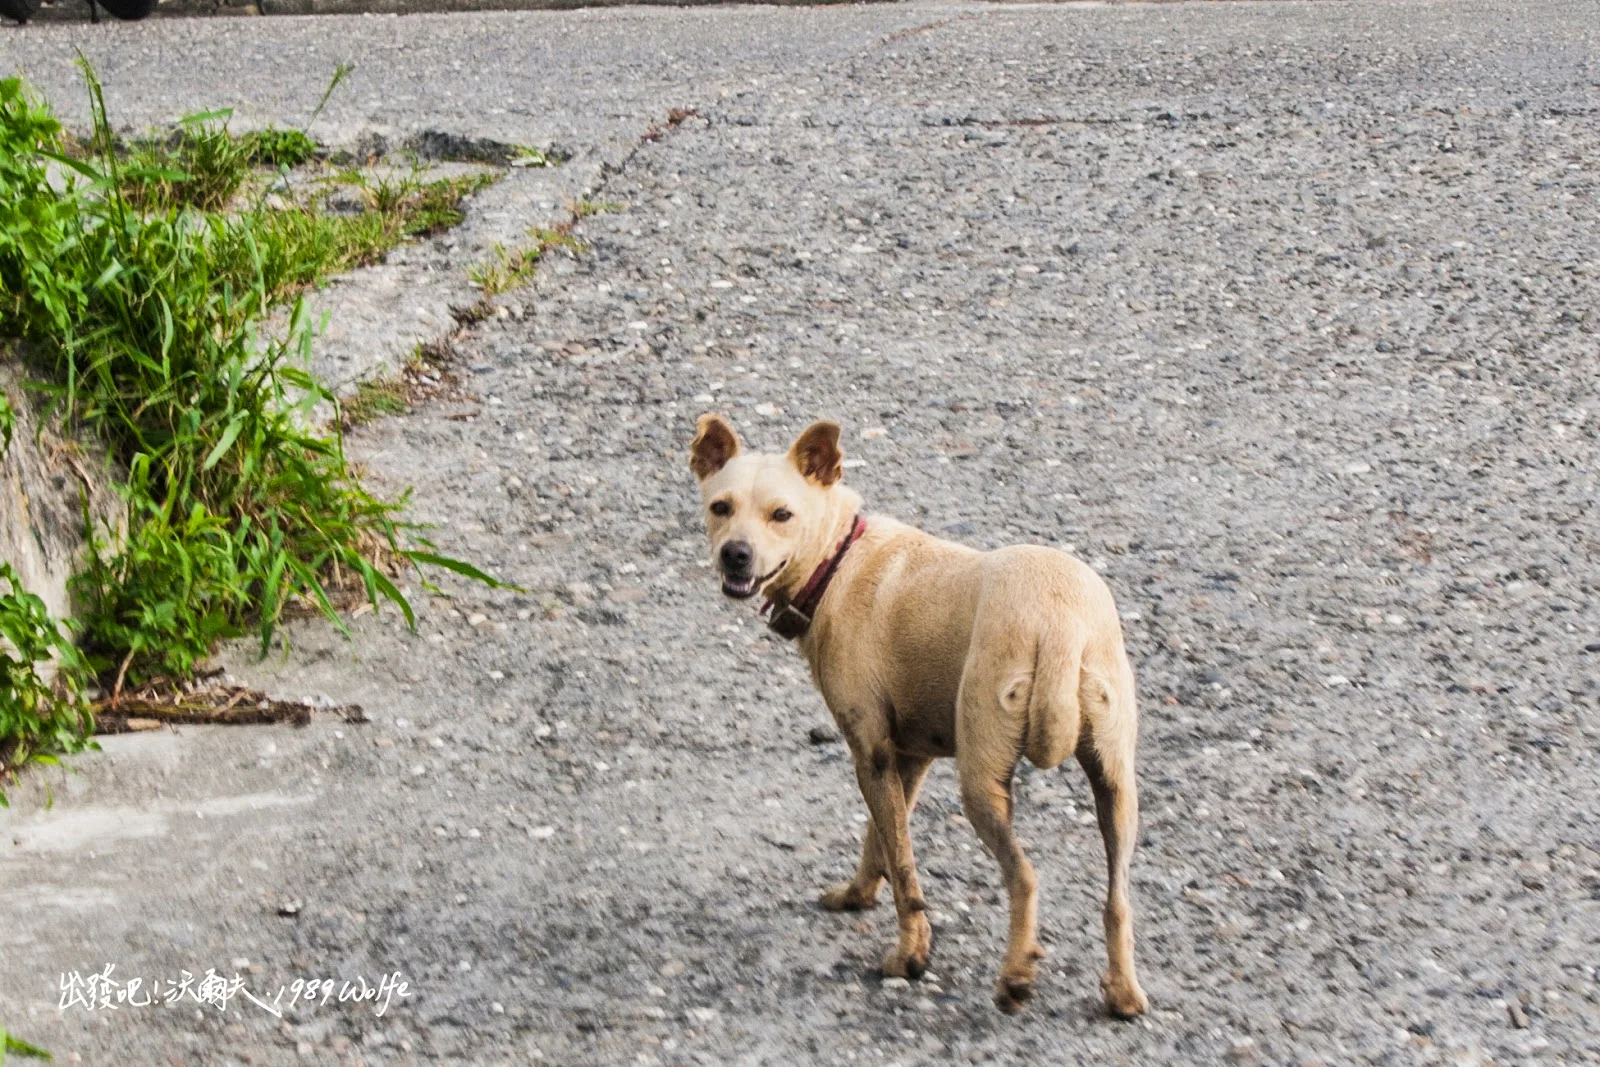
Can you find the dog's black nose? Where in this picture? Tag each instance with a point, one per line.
(736, 557)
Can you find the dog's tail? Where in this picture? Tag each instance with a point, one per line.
(1072, 691)
(1054, 712)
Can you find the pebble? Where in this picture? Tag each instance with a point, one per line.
(1245, 1053)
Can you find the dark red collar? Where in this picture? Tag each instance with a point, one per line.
(792, 618)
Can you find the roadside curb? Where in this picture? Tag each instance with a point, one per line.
(78, 10)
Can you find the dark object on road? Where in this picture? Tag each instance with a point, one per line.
(19, 10)
(127, 10)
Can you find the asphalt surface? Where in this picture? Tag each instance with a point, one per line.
(1281, 315)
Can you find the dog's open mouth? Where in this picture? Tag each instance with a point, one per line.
(744, 588)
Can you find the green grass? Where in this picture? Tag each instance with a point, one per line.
(527, 156)
(302, 244)
(373, 399)
(139, 302)
(10, 1043)
(584, 207)
(512, 268)
(39, 719)
(199, 165)
(279, 148)
(505, 270)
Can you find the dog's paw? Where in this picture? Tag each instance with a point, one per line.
(1015, 987)
(902, 964)
(847, 897)
(1124, 998)
(1012, 992)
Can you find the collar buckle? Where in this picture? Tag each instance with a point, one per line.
(789, 622)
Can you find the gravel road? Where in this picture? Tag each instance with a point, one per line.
(1282, 316)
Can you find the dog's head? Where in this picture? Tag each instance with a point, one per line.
(771, 518)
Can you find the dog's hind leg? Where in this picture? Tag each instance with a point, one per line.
(990, 733)
(1109, 766)
(862, 890)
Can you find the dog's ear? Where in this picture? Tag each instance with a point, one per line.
(715, 444)
(815, 453)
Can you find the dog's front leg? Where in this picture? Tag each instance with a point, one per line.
(878, 772)
(862, 890)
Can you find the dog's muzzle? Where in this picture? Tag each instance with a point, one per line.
(743, 587)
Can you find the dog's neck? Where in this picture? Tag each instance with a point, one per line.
(831, 527)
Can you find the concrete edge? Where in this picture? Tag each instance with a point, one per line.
(78, 10)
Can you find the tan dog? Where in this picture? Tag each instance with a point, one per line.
(923, 649)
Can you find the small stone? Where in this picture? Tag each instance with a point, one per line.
(497, 1007)
(541, 833)
(896, 984)
(823, 735)
(872, 433)
(1245, 1053)
(673, 968)
(1519, 1018)
(577, 593)
(290, 908)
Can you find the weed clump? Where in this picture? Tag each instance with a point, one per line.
(373, 399)
(276, 148)
(199, 165)
(40, 718)
(138, 299)
(512, 268)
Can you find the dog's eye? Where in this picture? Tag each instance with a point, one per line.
(721, 508)
(782, 515)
